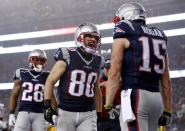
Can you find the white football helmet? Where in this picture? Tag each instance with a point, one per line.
(37, 60)
(87, 29)
(130, 11)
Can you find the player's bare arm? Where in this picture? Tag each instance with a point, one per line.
(55, 74)
(54, 102)
(14, 96)
(57, 71)
(98, 97)
(166, 87)
(118, 48)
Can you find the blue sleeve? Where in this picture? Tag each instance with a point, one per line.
(123, 29)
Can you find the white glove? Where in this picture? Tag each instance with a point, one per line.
(3, 125)
(55, 119)
(11, 120)
(113, 114)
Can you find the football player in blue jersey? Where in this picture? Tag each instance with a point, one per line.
(79, 95)
(139, 57)
(28, 94)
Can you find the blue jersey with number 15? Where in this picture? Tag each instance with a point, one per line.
(144, 59)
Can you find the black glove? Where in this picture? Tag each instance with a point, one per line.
(49, 112)
(113, 113)
(99, 117)
(99, 120)
(165, 119)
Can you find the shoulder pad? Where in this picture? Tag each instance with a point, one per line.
(62, 54)
(17, 73)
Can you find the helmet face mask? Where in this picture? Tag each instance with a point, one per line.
(37, 60)
(88, 37)
(130, 11)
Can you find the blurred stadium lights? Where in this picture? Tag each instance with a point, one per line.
(177, 73)
(165, 18)
(70, 30)
(49, 46)
(173, 74)
(175, 32)
(37, 34)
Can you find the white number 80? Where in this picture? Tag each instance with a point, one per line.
(82, 83)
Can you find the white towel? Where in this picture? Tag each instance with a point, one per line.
(126, 109)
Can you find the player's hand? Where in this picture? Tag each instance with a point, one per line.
(11, 121)
(50, 114)
(165, 119)
(113, 113)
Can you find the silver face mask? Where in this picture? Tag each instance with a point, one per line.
(38, 68)
(89, 50)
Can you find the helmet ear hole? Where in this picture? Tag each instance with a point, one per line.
(79, 38)
(30, 59)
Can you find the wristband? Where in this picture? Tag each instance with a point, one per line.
(108, 107)
(12, 112)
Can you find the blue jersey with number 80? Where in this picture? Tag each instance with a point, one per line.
(76, 86)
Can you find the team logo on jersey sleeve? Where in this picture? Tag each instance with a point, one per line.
(117, 29)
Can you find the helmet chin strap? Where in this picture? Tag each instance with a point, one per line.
(37, 68)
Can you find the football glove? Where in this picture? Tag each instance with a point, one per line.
(50, 115)
(113, 113)
(11, 121)
(99, 117)
(165, 119)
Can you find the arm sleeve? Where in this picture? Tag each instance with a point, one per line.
(123, 29)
